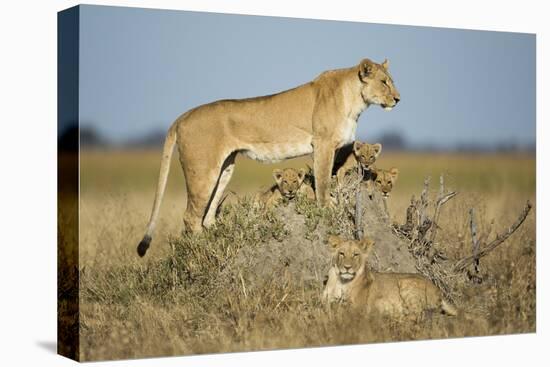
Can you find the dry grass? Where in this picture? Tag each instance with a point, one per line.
(176, 299)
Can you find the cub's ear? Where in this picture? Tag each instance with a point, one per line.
(386, 64)
(394, 172)
(278, 175)
(366, 67)
(377, 149)
(301, 174)
(357, 146)
(334, 241)
(366, 244)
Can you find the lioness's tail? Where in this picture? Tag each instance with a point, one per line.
(163, 178)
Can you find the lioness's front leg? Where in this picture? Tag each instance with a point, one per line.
(323, 159)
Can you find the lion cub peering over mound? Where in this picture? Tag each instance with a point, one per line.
(383, 180)
(395, 295)
(288, 183)
(349, 158)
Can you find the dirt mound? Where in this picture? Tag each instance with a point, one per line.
(303, 256)
(294, 258)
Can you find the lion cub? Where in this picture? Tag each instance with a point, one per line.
(383, 180)
(363, 154)
(395, 295)
(288, 183)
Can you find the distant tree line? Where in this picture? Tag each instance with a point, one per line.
(391, 141)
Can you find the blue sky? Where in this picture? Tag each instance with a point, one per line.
(141, 68)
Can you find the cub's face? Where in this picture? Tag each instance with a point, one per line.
(377, 84)
(349, 256)
(384, 180)
(365, 153)
(289, 181)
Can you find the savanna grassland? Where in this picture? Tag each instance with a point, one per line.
(174, 301)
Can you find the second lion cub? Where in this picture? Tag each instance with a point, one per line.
(288, 183)
(348, 158)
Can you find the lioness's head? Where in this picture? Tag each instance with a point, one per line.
(377, 84)
(289, 181)
(366, 153)
(385, 179)
(349, 256)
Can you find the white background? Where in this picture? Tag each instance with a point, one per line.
(28, 180)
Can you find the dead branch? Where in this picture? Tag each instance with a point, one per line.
(500, 238)
(475, 240)
(359, 204)
(424, 201)
(385, 201)
(410, 220)
(358, 214)
(441, 200)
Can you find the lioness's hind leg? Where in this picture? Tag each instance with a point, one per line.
(201, 179)
(223, 180)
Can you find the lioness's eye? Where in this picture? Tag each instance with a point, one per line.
(341, 254)
(355, 255)
(389, 182)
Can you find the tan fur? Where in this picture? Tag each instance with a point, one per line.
(363, 154)
(315, 118)
(384, 180)
(289, 183)
(394, 295)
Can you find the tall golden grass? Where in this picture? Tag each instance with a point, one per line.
(132, 307)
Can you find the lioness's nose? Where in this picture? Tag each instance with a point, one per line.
(397, 99)
(347, 267)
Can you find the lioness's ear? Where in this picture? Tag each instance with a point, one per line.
(366, 67)
(394, 172)
(333, 241)
(302, 174)
(277, 175)
(366, 244)
(357, 146)
(386, 64)
(377, 148)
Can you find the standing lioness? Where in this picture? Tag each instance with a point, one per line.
(317, 117)
(394, 295)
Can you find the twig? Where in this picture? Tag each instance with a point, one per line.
(442, 199)
(475, 240)
(281, 301)
(411, 215)
(438, 206)
(441, 186)
(463, 263)
(242, 282)
(424, 200)
(174, 265)
(421, 207)
(358, 207)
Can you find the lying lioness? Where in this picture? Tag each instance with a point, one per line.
(288, 183)
(360, 154)
(395, 295)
